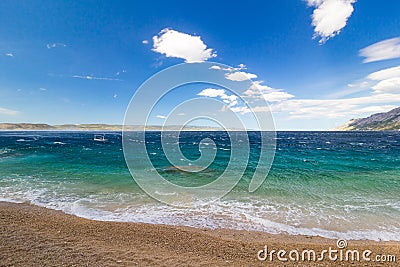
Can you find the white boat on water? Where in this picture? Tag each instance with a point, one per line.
(99, 138)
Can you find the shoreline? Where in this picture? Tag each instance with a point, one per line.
(33, 235)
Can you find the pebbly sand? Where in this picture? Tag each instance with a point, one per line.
(35, 236)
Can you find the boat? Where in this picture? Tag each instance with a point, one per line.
(99, 138)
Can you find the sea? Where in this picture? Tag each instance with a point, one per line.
(329, 184)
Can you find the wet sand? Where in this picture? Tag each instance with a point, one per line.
(35, 236)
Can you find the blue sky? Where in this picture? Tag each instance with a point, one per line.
(318, 63)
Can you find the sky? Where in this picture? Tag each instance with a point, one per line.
(314, 64)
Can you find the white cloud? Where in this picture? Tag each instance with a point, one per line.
(229, 69)
(161, 117)
(115, 96)
(388, 80)
(54, 45)
(120, 72)
(330, 17)
(230, 100)
(242, 66)
(9, 55)
(375, 109)
(9, 112)
(42, 89)
(335, 108)
(383, 50)
(89, 77)
(362, 84)
(385, 74)
(191, 48)
(259, 91)
(215, 67)
(145, 42)
(209, 92)
(384, 96)
(242, 109)
(353, 88)
(277, 96)
(388, 86)
(239, 76)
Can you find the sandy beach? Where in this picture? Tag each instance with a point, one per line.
(36, 236)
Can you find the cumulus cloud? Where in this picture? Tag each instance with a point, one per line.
(239, 76)
(176, 44)
(259, 91)
(230, 100)
(330, 17)
(384, 97)
(387, 49)
(235, 74)
(54, 45)
(9, 112)
(145, 42)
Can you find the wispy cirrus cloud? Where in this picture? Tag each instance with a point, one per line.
(382, 81)
(337, 108)
(90, 77)
(330, 17)
(120, 72)
(161, 117)
(384, 50)
(176, 44)
(54, 45)
(9, 112)
(385, 74)
(388, 80)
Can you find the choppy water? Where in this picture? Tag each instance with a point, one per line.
(332, 184)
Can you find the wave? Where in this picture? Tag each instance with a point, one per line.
(228, 214)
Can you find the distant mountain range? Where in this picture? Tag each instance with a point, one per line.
(377, 122)
(94, 127)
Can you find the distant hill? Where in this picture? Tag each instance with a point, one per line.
(377, 122)
(93, 127)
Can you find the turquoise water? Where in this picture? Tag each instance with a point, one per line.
(332, 184)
